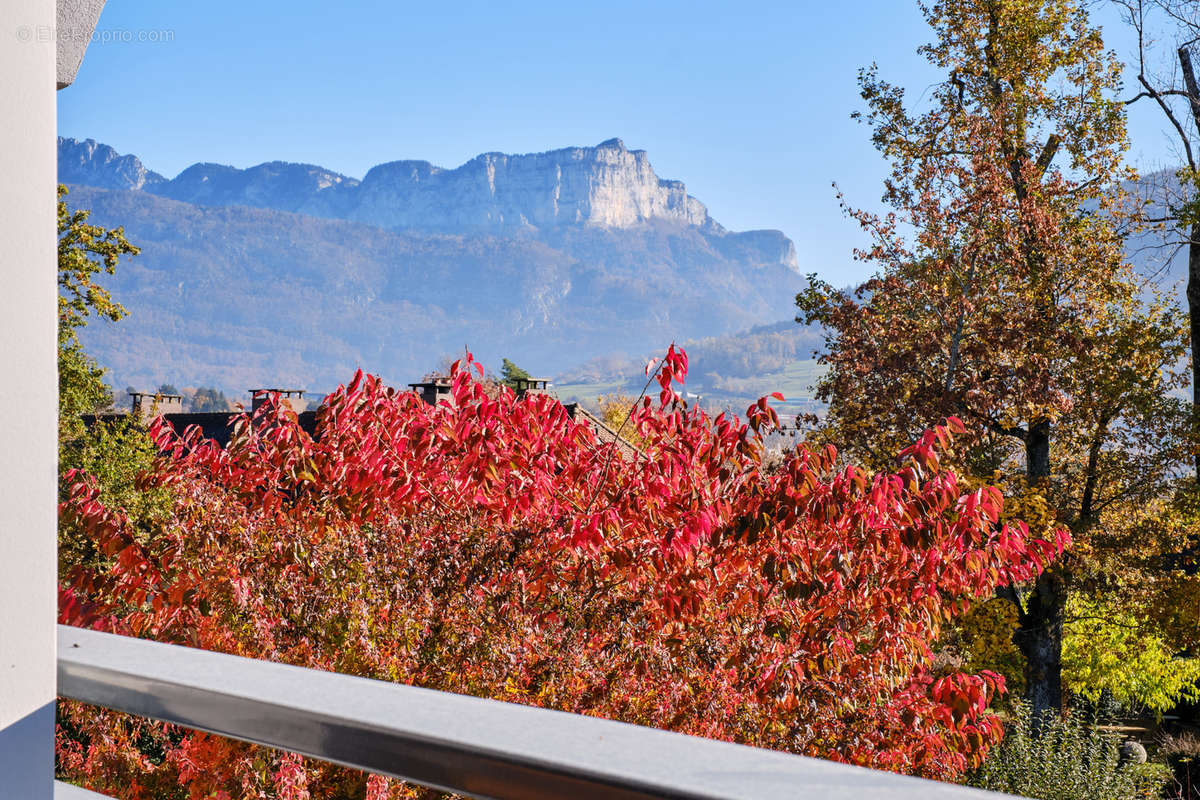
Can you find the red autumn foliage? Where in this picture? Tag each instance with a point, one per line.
(491, 546)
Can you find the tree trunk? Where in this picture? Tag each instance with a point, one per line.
(1193, 285)
(1193, 299)
(1037, 451)
(1039, 632)
(1039, 638)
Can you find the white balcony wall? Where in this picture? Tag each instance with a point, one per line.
(32, 65)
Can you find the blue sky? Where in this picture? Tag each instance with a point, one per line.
(748, 103)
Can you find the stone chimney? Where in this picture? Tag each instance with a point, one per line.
(292, 398)
(148, 405)
(524, 386)
(433, 391)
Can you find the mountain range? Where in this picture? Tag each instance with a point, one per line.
(295, 274)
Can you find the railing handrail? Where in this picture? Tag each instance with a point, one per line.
(469, 745)
(66, 791)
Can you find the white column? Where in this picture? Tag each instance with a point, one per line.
(28, 398)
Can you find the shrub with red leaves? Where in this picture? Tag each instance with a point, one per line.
(492, 546)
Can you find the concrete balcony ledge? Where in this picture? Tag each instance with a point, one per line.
(74, 24)
(483, 748)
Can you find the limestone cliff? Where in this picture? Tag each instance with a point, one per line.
(607, 186)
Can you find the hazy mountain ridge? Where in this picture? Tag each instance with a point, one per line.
(237, 297)
(606, 186)
(291, 273)
(277, 185)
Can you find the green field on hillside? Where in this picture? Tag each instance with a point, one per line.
(589, 393)
(798, 380)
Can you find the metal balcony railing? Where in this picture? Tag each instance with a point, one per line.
(482, 748)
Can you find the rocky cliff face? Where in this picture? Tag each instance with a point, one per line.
(93, 164)
(606, 186)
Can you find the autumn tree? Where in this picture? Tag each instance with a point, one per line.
(616, 411)
(1002, 295)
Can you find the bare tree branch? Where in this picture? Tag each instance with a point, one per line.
(1163, 92)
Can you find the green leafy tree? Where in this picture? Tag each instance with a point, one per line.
(511, 374)
(85, 252)
(113, 452)
(1116, 648)
(210, 400)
